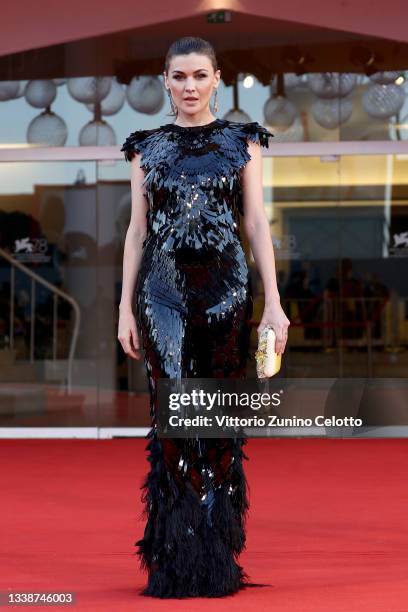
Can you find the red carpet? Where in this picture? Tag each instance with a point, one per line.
(327, 531)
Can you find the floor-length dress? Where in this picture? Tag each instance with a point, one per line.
(193, 304)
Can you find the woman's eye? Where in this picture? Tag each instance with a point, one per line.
(179, 76)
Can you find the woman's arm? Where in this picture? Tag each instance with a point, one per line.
(132, 254)
(256, 227)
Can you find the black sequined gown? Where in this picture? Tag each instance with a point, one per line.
(194, 301)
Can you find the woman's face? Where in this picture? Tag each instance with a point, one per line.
(191, 80)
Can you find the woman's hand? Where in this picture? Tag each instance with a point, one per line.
(274, 316)
(128, 335)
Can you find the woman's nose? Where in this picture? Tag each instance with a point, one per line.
(190, 85)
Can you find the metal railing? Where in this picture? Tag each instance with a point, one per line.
(56, 292)
(332, 314)
(330, 322)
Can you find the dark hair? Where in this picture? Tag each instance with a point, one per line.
(191, 44)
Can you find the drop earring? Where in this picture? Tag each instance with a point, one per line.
(173, 111)
(215, 104)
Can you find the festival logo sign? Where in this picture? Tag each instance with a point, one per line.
(31, 250)
(400, 245)
(286, 247)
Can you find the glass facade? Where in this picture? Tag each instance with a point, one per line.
(339, 226)
(335, 188)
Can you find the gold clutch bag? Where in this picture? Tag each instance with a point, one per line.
(268, 363)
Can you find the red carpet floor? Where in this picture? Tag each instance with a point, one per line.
(327, 531)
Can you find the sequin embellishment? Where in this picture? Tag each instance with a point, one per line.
(193, 304)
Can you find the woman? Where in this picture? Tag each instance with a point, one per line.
(183, 258)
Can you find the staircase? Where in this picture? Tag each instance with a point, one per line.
(34, 385)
